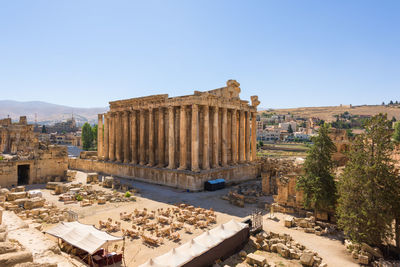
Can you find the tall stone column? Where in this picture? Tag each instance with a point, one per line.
(253, 136)
(100, 154)
(195, 138)
(142, 148)
(234, 138)
(118, 137)
(171, 138)
(134, 157)
(247, 134)
(241, 136)
(161, 146)
(106, 137)
(126, 146)
(206, 137)
(224, 138)
(151, 137)
(215, 137)
(112, 137)
(183, 140)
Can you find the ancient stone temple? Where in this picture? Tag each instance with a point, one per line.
(181, 141)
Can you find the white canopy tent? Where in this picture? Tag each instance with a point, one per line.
(85, 237)
(197, 246)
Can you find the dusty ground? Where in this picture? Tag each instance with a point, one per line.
(153, 197)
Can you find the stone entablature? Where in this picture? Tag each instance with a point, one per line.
(195, 132)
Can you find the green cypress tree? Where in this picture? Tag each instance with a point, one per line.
(87, 136)
(318, 182)
(369, 187)
(396, 135)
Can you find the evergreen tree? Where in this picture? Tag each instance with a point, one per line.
(369, 187)
(94, 132)
(318, 182)
(396, 135)
(44, 130)
(87, 136)
(290, 129)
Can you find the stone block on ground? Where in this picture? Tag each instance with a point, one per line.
(92, 177)
(374, 251)
(256, 259)
(7, 247)
(307, 259)
(289, 221)
(34, 203)
(52, 185)
(11, 259)
(283, 250)
(16, 195)
(362, 259)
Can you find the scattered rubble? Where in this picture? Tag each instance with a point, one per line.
(366, 254)
(310, 225)
(245, 193)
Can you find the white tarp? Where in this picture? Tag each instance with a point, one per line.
(197, 246)
(85, 237)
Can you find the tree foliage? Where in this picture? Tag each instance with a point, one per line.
(369, 187)
(318, 182)
(396, 134)
(89, 135)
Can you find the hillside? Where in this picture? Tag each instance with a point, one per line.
(327, 113)
(47, 113)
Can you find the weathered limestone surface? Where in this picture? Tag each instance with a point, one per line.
(19, 146)
(213, 128)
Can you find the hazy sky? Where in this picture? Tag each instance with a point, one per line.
(290, 53)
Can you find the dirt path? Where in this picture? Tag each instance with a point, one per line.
(332, 251)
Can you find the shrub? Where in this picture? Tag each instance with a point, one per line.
(78, 197)
(128, 194)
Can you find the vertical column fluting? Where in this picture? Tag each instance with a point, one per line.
(195, 138)
(118, 137)
(112, 137)
(206, 138)
(126, 147)
(234, 138)
(183, 140)
(106, 137)
(161, 146)
(247, 134)
(171, 138)
(215, 137)
(151, 137)
(253, 136)
(142, 143)
(241, 136)
(134, 158)
(224, 138)
(100, 154)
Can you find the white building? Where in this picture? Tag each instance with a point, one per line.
(301, 136)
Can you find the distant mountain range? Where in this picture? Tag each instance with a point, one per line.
(47, 113)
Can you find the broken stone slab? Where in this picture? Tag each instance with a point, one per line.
(52, 185)
(374, 251)
(283, 250)
(92, 177)
(256, 259)
(307, 259)
(7, 247)
(11, 259)
(34, 203)
(362, 259)
(16, 195)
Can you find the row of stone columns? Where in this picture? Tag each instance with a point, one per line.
(120, 140)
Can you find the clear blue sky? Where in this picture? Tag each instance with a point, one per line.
(290, 53)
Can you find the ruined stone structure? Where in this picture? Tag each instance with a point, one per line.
(179, 141)
(16, 137)
(342, 143)
(24, 160)
(279, 178)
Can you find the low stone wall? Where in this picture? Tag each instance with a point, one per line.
(183, 179)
